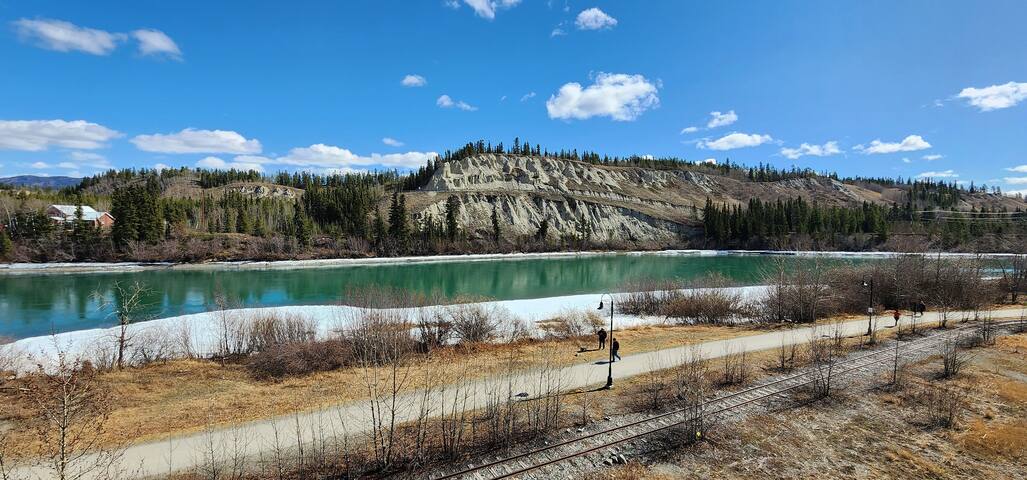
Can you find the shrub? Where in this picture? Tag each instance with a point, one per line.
(477, 322)
(704, 306)
(270, 330)
(433, 327)
(574, 323)
(648, 298)
(942, 406)
(300, 358)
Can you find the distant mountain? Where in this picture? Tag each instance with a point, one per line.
(35, 181)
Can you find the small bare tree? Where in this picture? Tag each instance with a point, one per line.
(943, 406)
(952, 357)
(735, 368)
(72, 411)
(823, 351)
(126, 307)
(693, 386)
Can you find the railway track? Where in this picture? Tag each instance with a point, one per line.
(735, 402)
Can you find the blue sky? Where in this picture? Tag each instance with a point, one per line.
(876, 88)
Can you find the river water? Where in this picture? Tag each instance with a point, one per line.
(44, 303)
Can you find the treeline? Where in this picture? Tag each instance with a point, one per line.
(761, 224)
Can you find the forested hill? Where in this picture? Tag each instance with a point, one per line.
(485, 198)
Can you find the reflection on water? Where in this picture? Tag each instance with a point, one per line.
(38, 304)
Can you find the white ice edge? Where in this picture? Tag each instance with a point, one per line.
(98, 267)
(205, 328)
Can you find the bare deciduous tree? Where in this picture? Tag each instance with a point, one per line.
(127, 307)
(72, 410)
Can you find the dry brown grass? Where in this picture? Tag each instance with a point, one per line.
(184, 396)
(876, 434)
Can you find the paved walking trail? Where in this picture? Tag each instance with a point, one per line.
(258, 439)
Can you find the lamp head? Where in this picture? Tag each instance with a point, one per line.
(600, 305)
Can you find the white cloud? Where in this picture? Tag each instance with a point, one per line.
(932, 157)
(240, 162)
(619, 96)
(710, 161)
(594, 19)
(528, 96)
(941, 174)
(37, 135)
(909, 144)
(454, 4)
(718, 119)
(1018, 169)
(445, 101)
(156, 43)
(995, 97)
(735, 140)
(40, 165)
(162, 166)
(906, 160)
(689, 130)
(825, 150)
(488, 8)
(66, 37)
(329, 156)
(197, 141)
(1015, 180)
(413, 80)
(557, 32)
(392, 142)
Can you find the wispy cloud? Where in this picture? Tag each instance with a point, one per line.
(413, 81)
(594, 19)
(718, 119)
(735, 140)
(825, 150)
(445, 101)
(156, 43)
(392, 142)
(909, 144)
(63, 36)
(197, 141)
(995, 97)
(38, 135)
(941, 174)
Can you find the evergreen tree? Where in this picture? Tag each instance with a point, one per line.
(496, 232)
(452, 209)
(6, 246)
(543, 230)
(399, 227)
(301, 227)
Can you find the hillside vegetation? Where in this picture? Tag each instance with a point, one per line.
(485, 198)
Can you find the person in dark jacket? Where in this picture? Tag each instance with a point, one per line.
(602, 338)
(615, 349)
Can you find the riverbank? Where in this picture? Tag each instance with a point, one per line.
(100, 267)
(200, 334)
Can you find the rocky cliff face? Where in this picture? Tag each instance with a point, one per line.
(615, 203)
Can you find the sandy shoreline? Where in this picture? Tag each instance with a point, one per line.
(100, 267)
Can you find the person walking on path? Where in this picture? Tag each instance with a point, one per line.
(896, 315)
(615, 349)
(602, 338)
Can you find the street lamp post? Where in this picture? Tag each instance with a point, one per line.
(869, 285)
(609, 376)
